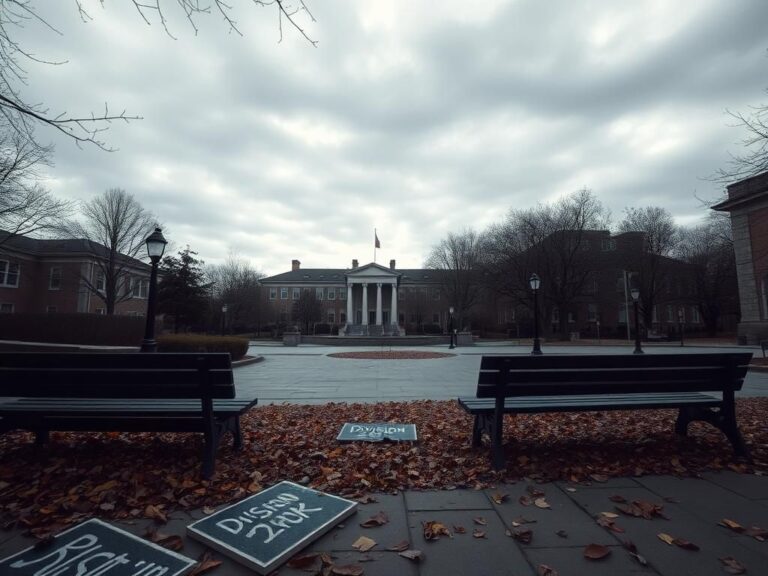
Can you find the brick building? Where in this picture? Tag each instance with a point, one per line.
(50, 276)
(747, 204)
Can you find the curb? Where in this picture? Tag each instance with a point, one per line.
(247, 361)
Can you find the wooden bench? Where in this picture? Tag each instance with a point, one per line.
(561, 383)
(171, 392)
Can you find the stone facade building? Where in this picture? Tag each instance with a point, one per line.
(50, 276)
(747, 204)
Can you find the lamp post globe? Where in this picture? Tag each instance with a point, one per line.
(452, 345)
(156, 243)
(535, 283)
(635, 299)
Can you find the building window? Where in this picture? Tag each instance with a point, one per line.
(101, 282)
(555, 315)
(273, 293)
(331, 293)
(620, 283)
(591, 312)
(283, 293)
(436, 293)
(54, 278)
(608, 244)
(623, 313)
(401, 294)
(670, 313)
(101, 311)
(9, 274)
(296, 293)
(342, 293)
(695, 316)
(319, 293)
(401, 318)
(655, 315)
(571, 319)
(6, 308)
(140, 287)
(51, 309)
(331, 317)
(342, 317)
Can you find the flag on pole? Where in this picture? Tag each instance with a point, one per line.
(377, 243)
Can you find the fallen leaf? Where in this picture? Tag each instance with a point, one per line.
(680, 542)
(205, 563)
(400, 546)
(617, 498)
(534, 492)
(367, 499)
(562, 533)
(481, 521)
(170, 541)
(303, 561)
(570, 489)
(415, 555)
(155, 513)
(544, 570)
(525, 500)
(524, 535)
(208, 510)
(433, 530)
(363, 544)
(499, 498)
(541, 503)
(347, 570)
(459, 529)
(477, 533)
(610, 524)
(732, 566)
(596, 551)
(757, 533)
(599, 477)
(519, 521)
(609, 514)
(735, 526)
(632, 549)
(666, 538)
(378, 519)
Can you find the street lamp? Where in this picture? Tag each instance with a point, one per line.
(535, 282)
(635, 297)
(450, 327)
(155, 248)
(680, 323)
(224, 309)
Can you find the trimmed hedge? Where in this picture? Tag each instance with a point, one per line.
(237, 347)
(73, 328)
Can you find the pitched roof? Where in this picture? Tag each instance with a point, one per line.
(338, 275)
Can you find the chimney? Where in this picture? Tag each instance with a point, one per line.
(295, 265)
(391, 264)
(354, 263)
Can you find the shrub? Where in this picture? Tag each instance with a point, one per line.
(432, 329)
(322, 328)
(73, 328)
(237, 347)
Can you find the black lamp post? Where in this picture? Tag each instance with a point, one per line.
(535, 282)
(224, 309)
(155, 248)
(680, 324)
(635, 297)
(450, 327)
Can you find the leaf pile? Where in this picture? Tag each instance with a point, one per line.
(131, 475)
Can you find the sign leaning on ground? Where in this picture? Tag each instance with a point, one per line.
(267, 528)
(95, 547)
(352, 432)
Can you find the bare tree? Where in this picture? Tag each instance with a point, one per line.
(709, 249)
(552, 241)
(115, 226)
(236, 284)
(22, 115)
(660, 239)
(26, 207)
(457, 261)
(754, 159)
(307, 309)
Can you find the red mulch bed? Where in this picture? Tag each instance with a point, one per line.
(392, 355)
(115, 475)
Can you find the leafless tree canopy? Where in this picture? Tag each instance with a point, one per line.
(754, 159)
(236, 284)
(26, 207)
(116, 221)
(22, 115)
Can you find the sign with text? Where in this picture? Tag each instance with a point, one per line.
(96, 548)
(377, 432)
(268, 528)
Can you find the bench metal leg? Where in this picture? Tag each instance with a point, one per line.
(684, 417)
(497, 435)
(723, 419)
(477, 431)
(237, 434)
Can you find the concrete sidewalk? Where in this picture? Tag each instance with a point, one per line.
(694, 507)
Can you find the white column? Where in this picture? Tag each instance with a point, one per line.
(350, 317)
(393, 306)
(365, 304)
(378, 304)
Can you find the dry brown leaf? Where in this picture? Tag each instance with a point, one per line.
(415, 555)
(480, 520)
(477, 533)
(205, 563)
(155, 513)
(541, 503)
(666, 538)
(544, 570)
(170, 541)
(499, 498)
(524, 535)
(735, 526)
(596, 551)
(609, 514)
(681, 543)
(347, 570)
(303, 561)
(562, 533)
(618, 499)
(433, 530)
(459, 529)
(400, 546)
(378, 519)
(525, 500)
(732, 566)
(363, 544)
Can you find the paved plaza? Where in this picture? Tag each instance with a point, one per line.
(307, 375)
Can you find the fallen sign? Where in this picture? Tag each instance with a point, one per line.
(352, 432)
(95, 547)
(267, 528)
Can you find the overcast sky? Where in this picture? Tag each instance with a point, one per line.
(414, 118)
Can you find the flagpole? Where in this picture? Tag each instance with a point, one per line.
(374, 245)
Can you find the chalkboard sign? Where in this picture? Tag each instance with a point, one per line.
(95, 547)
(377, 432)
(267, 528)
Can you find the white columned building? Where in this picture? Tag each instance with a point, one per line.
(362, 319)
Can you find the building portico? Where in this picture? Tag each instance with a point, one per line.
(366, 285)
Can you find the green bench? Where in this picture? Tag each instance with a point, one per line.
(91, 392)
(700, 386)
